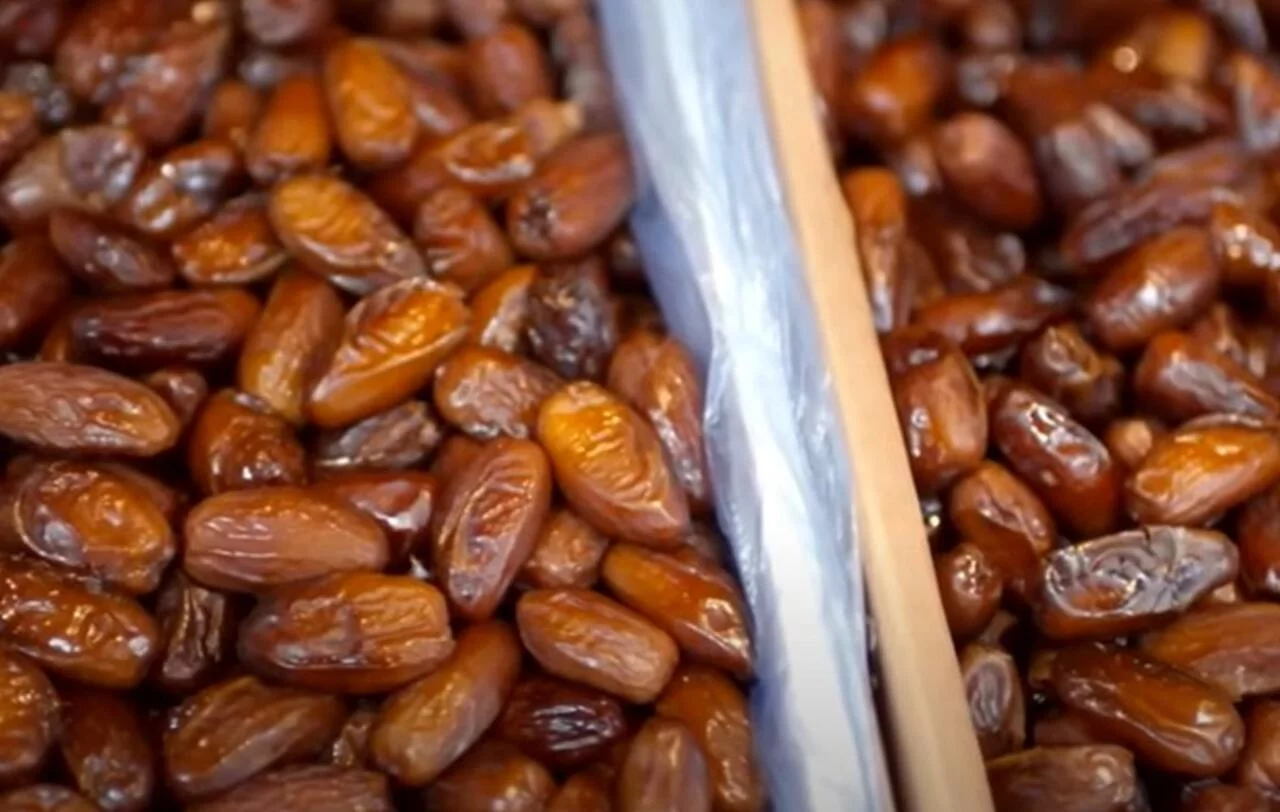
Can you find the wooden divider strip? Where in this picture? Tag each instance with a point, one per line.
(936, 759)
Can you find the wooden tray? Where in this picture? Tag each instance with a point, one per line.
(936, 761)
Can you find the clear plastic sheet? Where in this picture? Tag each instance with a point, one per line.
(715, 237)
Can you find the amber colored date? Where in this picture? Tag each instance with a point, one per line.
(393, 340)
(401, 437)
(492, 774)
(994, 511)
(698, 606)
(500, 310)
(1234, 647)
(1132, 580)
(29, 707)
(292, 136)
(73, 628)
(663, 769)
(610, 466)
(1202, 469)
(567, 553)
(107, 750)
(1067, 466)
(350, 632)
(1180, 378)
(32, 287)
(238, 442)
(1086, 777)
(234, 247)
(460, 240)
(370, 103)
(426, 726)
(254, 539)
(585, 637)
(486, 392)
(488, 523)
(231, 731)
(313, 787)
(197, 634)
(714, 709)
(401, 502)
(1170, 719)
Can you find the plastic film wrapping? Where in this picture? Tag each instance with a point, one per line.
(722, 261)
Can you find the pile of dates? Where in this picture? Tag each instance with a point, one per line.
(348, 467)
(1066, 221)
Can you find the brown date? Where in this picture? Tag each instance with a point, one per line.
(183, 388)
(1131, 581)
(107, 256)
(1162, 285)
(250, 540)
(1258, 536)
(32, 287)
(878, 204)
(45, 798)
(107, 750)
(987, 168)
(459, 239)
(500, 310)
(970, 588)
(1234, 647)
(1247, 245)
(714, 709)
(663, 769)
(940, 407)
(401, 502)
(610, 466)
(507, 68)
(285, 22)
(149, 330)
(91, 519)
(401, 437)
(1179, 378)
(183, 188)
(237, 442)
(656, 376)
(391, 343)
(227, 733)
(370, 104)
(893, 95)
(994, 511)
(487, 393)
(575, 199)
(290, 343)
(74, 628)
(994, 692)
(562, 725)
(488, 523)
(197, 634)
(1227, 798)
(234, 247)
(426, 726)
(1202, 469)
(1260, 762)
(572, 319)
(1170, 719)
(589, 790)
(567, 553)
(1062, 363)
(698, 606)
(1086, 778)
(313, 787)
(1062, 461)
(29, 707)
(233, 110)
(349, 632)
(333, 230)
(351, 746)
(585, 637)
(494, 774)
(292, 136)
(1130, 439)
(998, 320)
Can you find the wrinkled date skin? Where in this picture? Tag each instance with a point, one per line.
(1233, 647)
(1078, 779)
(236, 729)
(485, 392)
(262, 537)
(426, 726)
(1180, 378)
(237, 442)
(488, 524)
(697, 605)
(107, 750)
(572, 321)
(234, 247)
(72, 628)
(197, 634)
(91, 519)
(83, 410)
(561, 724)
(1195, 473)
(1169, 718)
(568, 552)
(1067, 466)
(314, 787)
(401, 437)
(401, 502)
(992, 510)
(609, 464)
(29, 706)
(1132, 580)
(351, 632)
(585, 637)
(663, 769)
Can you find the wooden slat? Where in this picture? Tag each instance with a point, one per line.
(935, 755)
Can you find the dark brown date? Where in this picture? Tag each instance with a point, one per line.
(1233, 647)
(562, 725)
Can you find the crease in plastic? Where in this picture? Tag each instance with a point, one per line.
(712, 227)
